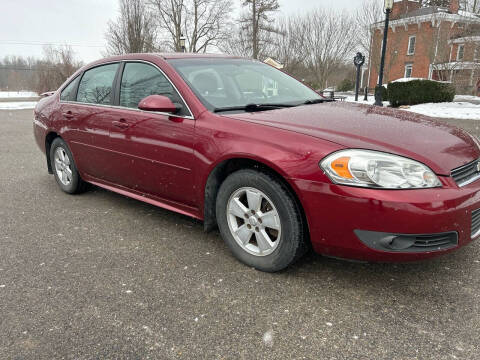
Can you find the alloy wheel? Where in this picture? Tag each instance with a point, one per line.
(254, 221)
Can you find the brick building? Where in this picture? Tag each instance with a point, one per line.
(440, 43)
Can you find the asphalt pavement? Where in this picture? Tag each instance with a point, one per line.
(102, 276)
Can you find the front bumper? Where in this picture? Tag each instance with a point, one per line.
(337, 213)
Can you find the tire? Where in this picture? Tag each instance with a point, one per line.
(64, 168)
(277, 218)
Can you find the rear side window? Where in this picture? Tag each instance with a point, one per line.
(68, 94)
(96, 86)
(140, 80)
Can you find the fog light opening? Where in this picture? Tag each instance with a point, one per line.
(398, 242)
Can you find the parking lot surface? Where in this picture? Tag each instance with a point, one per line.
(99, 275)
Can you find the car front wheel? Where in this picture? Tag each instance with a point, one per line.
(260, 220)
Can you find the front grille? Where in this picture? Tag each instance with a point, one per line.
(466, 174)
(475, 231)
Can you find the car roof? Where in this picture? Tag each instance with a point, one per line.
(165, 56)
(196, 56)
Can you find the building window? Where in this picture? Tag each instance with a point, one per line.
(411, 45)
(460, 52)
(408, 70)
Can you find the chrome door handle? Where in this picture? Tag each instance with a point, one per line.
(122, 124)
(68, 115)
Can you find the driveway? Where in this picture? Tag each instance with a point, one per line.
(99, 275)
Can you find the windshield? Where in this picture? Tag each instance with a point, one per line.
(236, 83)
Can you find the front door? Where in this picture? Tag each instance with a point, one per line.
(154, 151)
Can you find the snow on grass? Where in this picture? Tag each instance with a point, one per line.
(466, 98)
(17, 94)
(17, 105)
(454, 110)
(370, 101)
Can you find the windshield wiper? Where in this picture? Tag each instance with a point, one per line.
(317, 101)
(253, 107)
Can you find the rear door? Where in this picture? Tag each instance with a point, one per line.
(154, 151)
(90, 113)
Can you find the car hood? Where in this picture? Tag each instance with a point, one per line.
(439, 146)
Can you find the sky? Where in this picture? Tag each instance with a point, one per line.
(26, 25)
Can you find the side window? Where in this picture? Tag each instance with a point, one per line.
(140, 80)
(68, 93)
(96, 86)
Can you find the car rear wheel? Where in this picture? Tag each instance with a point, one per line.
(64, 169)
(260, 220)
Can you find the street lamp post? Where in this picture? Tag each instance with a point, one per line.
(378, 93)
(358, 60)
(183, 39)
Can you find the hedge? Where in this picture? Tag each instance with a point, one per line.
(384, 92)
(419, 92)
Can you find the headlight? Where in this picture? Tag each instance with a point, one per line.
(375, 169)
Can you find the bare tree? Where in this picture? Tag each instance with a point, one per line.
(57, 65)
(441, 3)
(170, 19)
(237, 42)
(257, 24)
(369, 13)
(134, 31)
(471, 5)
(202, 22)
(287, 44)
(40, 75)
(330, 39)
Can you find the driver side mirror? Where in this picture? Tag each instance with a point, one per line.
(158, 103)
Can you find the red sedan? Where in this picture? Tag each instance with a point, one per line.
(245, 147)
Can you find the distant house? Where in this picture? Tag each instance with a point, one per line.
(439, 43)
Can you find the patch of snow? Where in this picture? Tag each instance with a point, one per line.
(128, 291)
(467, 14)
(329, 324)
(370, 101)
(2, 286)
(407, 79)
(466, 98)
(268, 338)
(454, 110)
(17, 94)
(21, 105)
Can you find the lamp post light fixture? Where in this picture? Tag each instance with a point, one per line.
(378, 94)
(183, 40)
